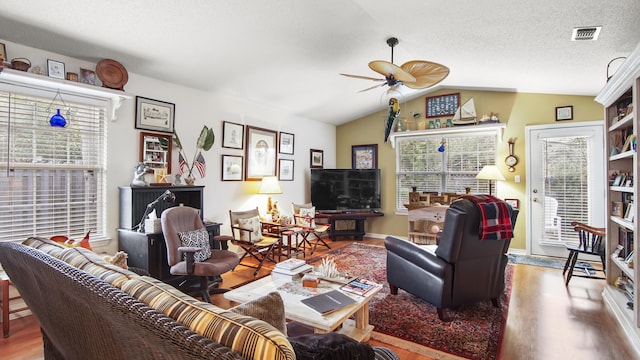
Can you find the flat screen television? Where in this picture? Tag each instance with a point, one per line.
(345, 189)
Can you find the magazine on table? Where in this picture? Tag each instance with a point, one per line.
(328, 302)
(359, 286)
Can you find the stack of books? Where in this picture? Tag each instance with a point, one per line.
(291, 269)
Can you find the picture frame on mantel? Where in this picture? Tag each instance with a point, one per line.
(155, 115)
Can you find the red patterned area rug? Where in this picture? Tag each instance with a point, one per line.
(406, 321)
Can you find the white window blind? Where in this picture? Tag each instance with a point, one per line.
(52, 180)
(421, 165)
(566, 168)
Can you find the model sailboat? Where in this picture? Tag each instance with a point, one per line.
(466, 114)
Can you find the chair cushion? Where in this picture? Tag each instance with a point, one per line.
(307, 217)
(268, 308)
(197, 238)
(255, 225)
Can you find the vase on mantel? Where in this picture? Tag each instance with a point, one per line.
(190, 180)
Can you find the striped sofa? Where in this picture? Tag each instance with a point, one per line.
(122, 315)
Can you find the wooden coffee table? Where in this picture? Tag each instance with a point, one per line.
(292, 292)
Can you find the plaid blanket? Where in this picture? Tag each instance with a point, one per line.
(495, 220)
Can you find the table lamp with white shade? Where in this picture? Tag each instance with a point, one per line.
(490, 172)
(270, 185)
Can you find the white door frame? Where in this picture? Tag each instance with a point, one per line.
(528, 197)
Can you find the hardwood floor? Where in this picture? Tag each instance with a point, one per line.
(546, 320)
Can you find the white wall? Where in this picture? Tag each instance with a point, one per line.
(195, 108)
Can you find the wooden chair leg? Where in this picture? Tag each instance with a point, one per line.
(393, 289)
(442, 315)
(495, 302)
(574, 259)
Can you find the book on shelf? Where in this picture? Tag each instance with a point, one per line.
(359, 286)
(290, 264)
(328, 302)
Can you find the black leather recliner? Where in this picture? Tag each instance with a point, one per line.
(462, 270)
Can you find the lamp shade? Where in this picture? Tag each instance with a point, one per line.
(270, 185)
(490, 172)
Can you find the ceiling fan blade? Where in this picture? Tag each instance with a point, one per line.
(373, 87)
(427, 73)
(386, 68)
(362, 77)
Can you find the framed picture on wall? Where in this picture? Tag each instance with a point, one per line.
(232, 135)
(286, 143)
(232, 168)
(442, 105)
(513, 202)
(364, 156)
(316, 159)
(155, 115)
(55, 69)
(285, 170)
(260, 153)
(564, 113)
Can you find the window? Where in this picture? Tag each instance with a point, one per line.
(52, 180)
(420, 164)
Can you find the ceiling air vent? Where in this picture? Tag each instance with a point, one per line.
(586, 33)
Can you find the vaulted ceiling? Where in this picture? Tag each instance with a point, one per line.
(287, 54)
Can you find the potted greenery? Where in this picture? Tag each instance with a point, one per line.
(205, 142)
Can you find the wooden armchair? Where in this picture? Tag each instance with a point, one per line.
(312, 234)
(590, 242)
(246, 228)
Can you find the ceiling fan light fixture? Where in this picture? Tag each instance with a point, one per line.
(415, 74)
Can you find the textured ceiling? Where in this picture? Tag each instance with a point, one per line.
(287, 53)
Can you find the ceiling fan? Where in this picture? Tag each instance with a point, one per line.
(415, 74)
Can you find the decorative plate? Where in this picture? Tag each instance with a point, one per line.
(112, 74)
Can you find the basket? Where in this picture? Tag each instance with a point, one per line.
(22, 64)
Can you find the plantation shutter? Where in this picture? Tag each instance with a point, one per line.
(52, 180)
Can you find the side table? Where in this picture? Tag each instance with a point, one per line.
(6, 301)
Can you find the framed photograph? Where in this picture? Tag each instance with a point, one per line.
(71, 76)
(617, 208)
(3, 52)
(87, 76)
(55, 69)
(442, 105)
(260, 153)
(629, 215)
(316, 158)
(232, 135)
(154, 115)
(564, 113)
(232, 167)
(515, 203)
(364, 156)
(286, 143)
(285, 170)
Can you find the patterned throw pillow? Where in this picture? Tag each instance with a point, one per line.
(307, 216)
(197, 238)
(255, 225)
(268, 308)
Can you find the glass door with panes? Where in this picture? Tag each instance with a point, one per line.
(564, 184)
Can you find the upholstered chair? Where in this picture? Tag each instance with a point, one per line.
(461, 270)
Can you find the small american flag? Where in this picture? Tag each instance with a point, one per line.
(182, 163)
(200, 165)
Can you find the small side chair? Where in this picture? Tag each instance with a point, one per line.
(590, 242)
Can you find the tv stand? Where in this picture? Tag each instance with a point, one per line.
(359, 217)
